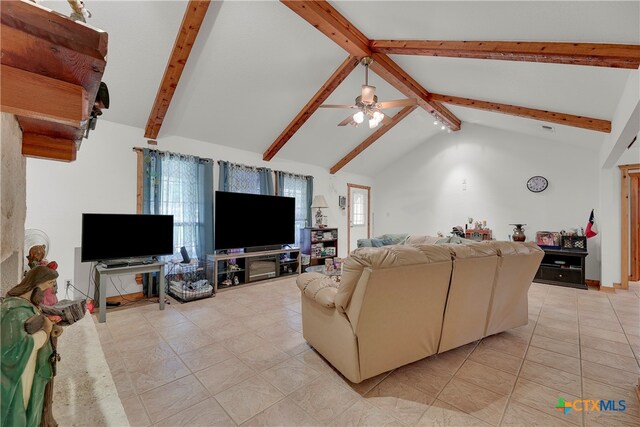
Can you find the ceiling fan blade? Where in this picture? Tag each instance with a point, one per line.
(347, 121)
(397, 103)
(337, 106)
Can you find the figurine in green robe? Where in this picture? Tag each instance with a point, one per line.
(25, 350)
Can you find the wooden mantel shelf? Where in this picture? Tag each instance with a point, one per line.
(50, 74)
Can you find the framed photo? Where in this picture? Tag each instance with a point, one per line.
(548, 239)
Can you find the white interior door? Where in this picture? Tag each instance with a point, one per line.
(359, 214)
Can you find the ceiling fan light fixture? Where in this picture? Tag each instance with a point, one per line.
(358, 117)
(373, 123)
(368, 94)
(378, 116)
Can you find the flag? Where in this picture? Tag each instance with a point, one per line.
(591, 230)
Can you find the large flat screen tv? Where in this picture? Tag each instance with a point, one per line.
(115, 236)
(253, 221)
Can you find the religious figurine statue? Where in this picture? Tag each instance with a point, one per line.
(80, 13)
(28, 354)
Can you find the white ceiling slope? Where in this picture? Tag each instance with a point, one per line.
(256, 64)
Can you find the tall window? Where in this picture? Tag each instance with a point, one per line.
(301, 188)
(182, 186)
(179, 197)
(245, 179)
(358, 209)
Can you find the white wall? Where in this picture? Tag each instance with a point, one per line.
(423, 192)
(625, 124)
(103, 179)
(609, 223)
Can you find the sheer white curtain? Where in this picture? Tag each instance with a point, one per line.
(296, 186)
(179, 196)
(244, 180)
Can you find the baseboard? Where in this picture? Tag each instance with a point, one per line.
(596, 284)
(136, 296)
(592, 283)
(619, 286)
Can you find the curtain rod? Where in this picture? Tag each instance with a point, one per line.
(163, 153)
(295, 174)
(243, 165)
(262, 167)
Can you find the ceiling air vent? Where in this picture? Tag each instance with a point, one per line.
(547, 128)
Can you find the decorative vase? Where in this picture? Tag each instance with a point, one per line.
(518, 233)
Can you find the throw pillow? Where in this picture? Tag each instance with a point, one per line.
(377, 243)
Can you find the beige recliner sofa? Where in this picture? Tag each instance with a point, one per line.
(399, 304)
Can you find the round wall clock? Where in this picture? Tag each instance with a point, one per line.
(537, 184)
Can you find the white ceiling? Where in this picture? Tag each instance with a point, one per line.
(256, 64)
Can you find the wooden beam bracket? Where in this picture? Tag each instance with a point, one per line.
(46, 147)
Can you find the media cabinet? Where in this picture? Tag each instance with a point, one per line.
(249, 267)
(563, 267)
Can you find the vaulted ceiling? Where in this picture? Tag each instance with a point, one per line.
(254, 65)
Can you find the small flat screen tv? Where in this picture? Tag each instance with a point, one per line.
(253, 221)
(115, 236)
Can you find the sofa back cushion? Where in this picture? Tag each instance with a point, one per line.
(518, 265)
(395, 297)
(474, 273)
(384, 257)
(417, 239)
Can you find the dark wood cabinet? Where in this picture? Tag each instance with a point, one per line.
(563, 267)
(319, 243)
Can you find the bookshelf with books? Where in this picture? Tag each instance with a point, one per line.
(319, 243)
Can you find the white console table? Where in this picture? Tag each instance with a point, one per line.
(103, 273)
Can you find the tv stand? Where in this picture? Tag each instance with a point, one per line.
(238, 269)
(102, 273)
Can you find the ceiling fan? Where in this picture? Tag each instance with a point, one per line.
(367, 104)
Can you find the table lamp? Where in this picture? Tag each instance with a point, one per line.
(319, 202)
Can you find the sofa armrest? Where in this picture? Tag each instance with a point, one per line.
(318, 288)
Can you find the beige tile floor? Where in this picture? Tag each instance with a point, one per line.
(240, 359)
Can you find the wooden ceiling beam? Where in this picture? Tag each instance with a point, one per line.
(191, 23)
(589, 123)
(372, 138)
(320, 96)
(331, 23)
(46, 147)
(386, 68)
(593, 54)
(33, 95)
